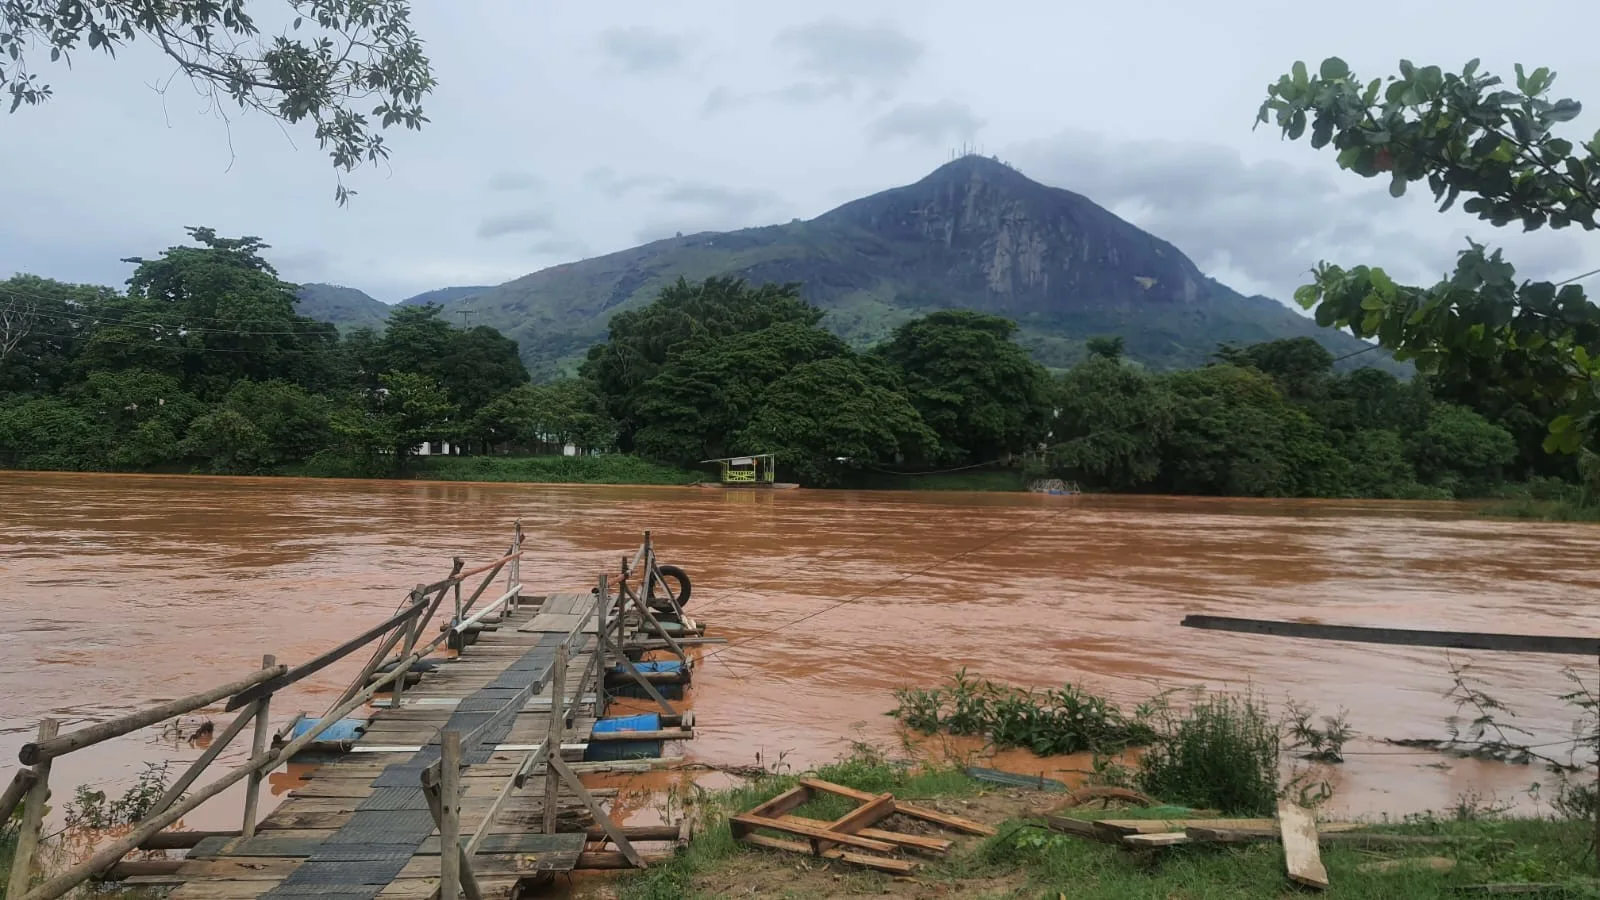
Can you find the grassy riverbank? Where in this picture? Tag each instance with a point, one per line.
(609, 469)
(1026, 860)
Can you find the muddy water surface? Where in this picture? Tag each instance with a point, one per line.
(121, 591)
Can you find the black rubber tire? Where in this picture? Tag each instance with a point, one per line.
(682, 578)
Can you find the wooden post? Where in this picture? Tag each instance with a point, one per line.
(514, 579)
(430, 793)
(12, 798)
(413, 630)
(450, 816)
(32, 818)
(558, 717)
(602, 601)
(218, 744)
(252, 790)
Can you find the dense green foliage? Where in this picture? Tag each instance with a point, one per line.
(1064, 720)
(202, 364)
(1275, 420)
(351, 67)
(1529, 350)
(721, 368)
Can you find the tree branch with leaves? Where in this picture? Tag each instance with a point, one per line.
(1466, 135)
(333, 57)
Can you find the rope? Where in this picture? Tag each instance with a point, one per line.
(1010, 532)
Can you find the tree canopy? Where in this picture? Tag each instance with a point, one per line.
(1537, 343)
(202, 364)
(321, 61)
(975, 387)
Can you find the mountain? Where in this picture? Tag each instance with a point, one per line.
(347, 308)
(444, 295)
(975, 233)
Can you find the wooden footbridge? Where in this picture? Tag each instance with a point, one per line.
(481, 749)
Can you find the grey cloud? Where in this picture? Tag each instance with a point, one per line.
(836, 49)
(639, 49)
(606, 180)
(840, 57)
(1269, 222)
(530, 221)
(801, 93)
(513, 181)
(730, 202)
(928, 123)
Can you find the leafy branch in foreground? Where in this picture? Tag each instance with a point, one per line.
(1465, 135)
(333, 56)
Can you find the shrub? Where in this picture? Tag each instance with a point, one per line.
(1221, 753)
(1066, 720)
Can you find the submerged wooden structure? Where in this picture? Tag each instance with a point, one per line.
(482, 750)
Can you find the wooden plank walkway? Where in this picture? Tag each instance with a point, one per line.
(361, 828)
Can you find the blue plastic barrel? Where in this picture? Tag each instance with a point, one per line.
(342, 730)
(611, 751)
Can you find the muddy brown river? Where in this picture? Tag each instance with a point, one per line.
(119, 591)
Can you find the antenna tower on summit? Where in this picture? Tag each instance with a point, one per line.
(965, 150)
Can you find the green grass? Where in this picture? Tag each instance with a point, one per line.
(865, 770)
(8, 846)
(1025, 860)
(609, 469)
(1541, 851)
(1542, 510)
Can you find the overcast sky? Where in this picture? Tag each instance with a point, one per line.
(563, 130)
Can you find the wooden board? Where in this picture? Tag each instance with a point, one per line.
(1163, 839)
(1300, 853)
(1081, 828)
(563, 623)
(811, 832)
(1121, 827)
(567, 603)
(513, 853)
(881, 863)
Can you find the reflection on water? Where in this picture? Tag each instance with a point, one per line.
(126, 590)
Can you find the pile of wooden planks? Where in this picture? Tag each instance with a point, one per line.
(853, 837)
(1294, 827)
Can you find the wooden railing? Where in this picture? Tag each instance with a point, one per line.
(442, 782)
(252, 696)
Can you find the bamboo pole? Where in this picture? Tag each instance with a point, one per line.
(450, 816)
(430, 793)
(602, 600)
(19, 785)
(252, 791)
(110, 853)
(558, 716)
(42, 750)
(218, 744)
(32, 817)
(413, 631)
